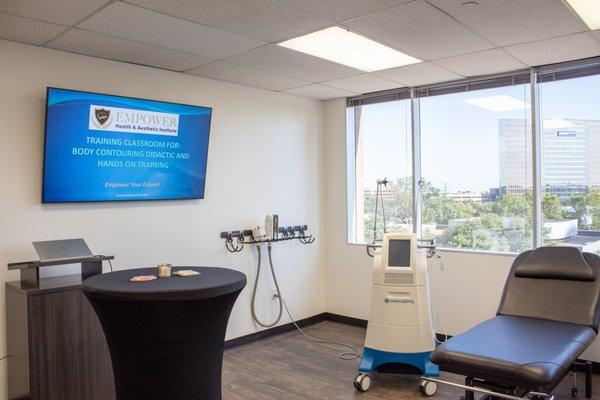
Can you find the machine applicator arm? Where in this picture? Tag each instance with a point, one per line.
(428, 244)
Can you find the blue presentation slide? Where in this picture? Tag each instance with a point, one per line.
(110, 148)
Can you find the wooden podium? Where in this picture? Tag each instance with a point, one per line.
(56, 347)
(30, 270)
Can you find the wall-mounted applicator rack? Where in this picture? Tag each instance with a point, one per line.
(235, 240)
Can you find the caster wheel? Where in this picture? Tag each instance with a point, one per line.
(362, 382)
(428, 388)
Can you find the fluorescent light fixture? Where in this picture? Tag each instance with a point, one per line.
(588, 11)
(498, 103)
(344, 47)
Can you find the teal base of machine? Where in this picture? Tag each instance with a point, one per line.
(410, 363)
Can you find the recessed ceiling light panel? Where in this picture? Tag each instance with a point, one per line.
(344, 47)
(588, 11)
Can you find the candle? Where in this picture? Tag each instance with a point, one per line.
(164, 270)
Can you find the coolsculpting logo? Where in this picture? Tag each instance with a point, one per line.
(404, 300)
(133, 121)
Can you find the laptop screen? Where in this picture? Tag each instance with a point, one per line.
(62, 249)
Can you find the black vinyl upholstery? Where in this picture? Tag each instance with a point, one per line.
(547, 317)
(515, 350)
(550, 263)
(541, 294)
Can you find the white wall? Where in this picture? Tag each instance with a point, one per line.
(467, 286)
(268, 152)
(265, 156)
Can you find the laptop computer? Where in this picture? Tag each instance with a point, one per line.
(52, 250)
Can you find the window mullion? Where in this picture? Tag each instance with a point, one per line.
(415, 133)
(351, 174)
(536, 149)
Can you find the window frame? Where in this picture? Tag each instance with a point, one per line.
(351, 139)
(531, 76)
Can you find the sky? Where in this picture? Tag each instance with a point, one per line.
(459, 141)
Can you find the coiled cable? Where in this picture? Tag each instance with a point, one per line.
(255, 289)
(346, 355)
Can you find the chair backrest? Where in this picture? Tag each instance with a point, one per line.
(554, 283)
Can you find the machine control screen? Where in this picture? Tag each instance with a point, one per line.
(399, 253)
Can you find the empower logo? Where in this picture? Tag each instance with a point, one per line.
(133, 121)
(102, 117)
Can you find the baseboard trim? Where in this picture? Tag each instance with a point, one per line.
(315, 319)
(266, 333)
(580, 368)
(342, 319)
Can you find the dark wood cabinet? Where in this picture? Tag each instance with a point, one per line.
(56, 347)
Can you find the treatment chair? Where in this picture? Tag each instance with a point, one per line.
(548, 315)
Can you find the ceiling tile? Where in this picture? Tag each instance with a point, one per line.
(27, 30)
(343, 10)
(549, 51)
(420, 30)
(418, 74)
(319, 92)
(266, 20)
(292, 63)
(224, 71)
(507, 22)
(364, 83)
(145, 26)
(481, 63)
(98, 45)
(63, 12)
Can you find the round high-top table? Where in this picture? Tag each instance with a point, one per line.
(166, 336)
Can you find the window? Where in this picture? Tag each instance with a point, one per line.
(479, 180)
(477, 177)
(380, 148)
(570, 173)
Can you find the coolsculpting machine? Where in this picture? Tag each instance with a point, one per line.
(399, 335)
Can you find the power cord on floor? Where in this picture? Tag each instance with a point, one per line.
(346, 355)
(354, 354)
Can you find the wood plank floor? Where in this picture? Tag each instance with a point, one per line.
(288, 366)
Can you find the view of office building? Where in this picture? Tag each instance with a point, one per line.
(569, 156)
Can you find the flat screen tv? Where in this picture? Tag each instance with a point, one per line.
(101, 147)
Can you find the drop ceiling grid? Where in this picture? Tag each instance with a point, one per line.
(62, 12)
(55, 43)
(266, 20)
(109, 47)
(27, 30)
(420, 30)
(523, 21)
(178, 49)
(229, 72)
(313, 79)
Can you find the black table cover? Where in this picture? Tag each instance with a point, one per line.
(166, 336)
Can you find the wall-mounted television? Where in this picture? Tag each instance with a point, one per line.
(100, 147)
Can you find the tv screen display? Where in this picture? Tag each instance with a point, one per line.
(100, 147)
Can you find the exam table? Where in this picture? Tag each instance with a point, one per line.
(548, 316)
